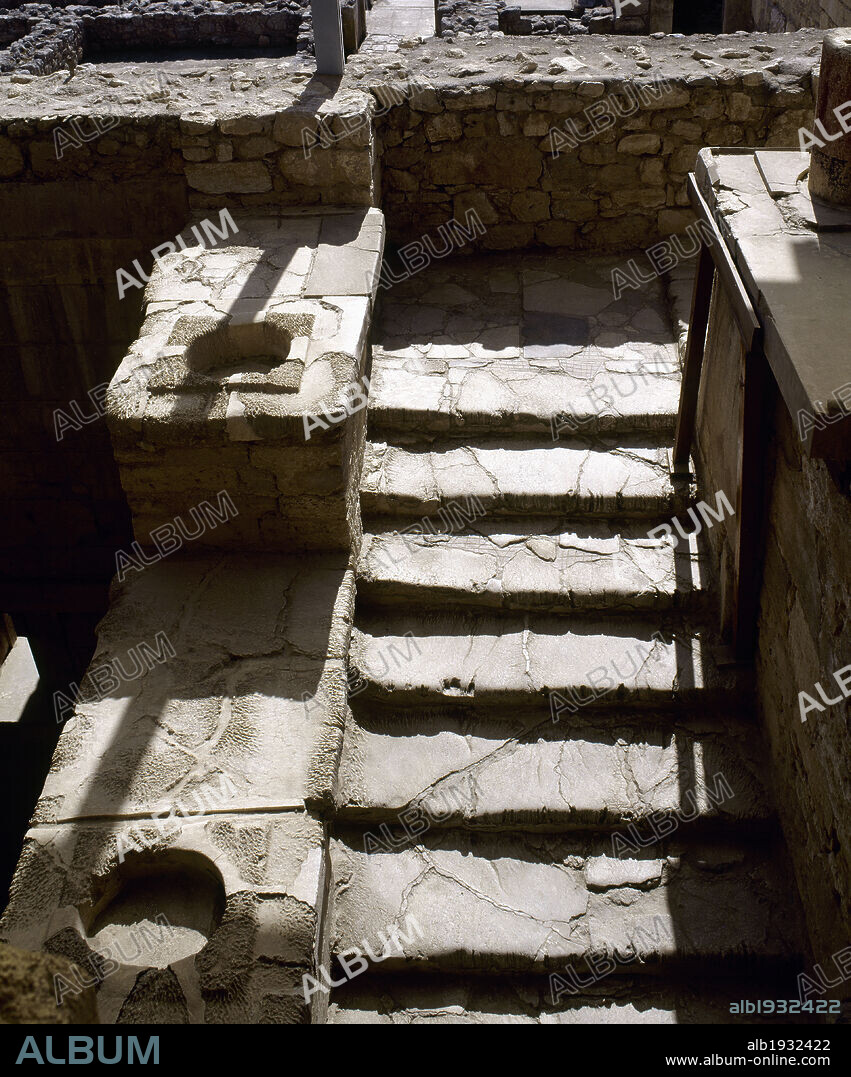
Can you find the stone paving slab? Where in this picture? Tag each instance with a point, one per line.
(400, 19)
(538, 902)
(520, 769)
(606, 478)
(558, 566)
(476, 344)
(222, 722)
(444, 656)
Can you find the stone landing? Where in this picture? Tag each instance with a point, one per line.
(178, 846)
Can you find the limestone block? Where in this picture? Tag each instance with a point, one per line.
(442, 128)
(573, 209)
(740, 107)
(636, 144)
(255, 146)
(245, 125)
(289, 127)
(475, 200)
(242, 177)
(531, 206)
(652, 172)
(28, 990)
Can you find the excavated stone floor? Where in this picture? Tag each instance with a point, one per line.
(390, 19)
(535, 676)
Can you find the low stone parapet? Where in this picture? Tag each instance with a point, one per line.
(245, 384)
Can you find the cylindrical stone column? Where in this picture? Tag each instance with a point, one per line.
(830, 164)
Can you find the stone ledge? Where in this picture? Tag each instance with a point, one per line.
(244, 712)
(794, 257)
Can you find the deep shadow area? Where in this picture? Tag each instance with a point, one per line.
(698, 16)
(203, 51)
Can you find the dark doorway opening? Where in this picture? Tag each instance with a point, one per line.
(698, 16)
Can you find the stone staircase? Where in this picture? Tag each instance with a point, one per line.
(552, 805)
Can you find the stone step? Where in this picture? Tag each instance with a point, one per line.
(547, 565)
(632, 389)
(642, 774)
(542, 903)
(560, 663)
(609, 478)
(401, 999)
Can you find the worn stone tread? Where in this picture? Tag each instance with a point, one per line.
(473, 396)
(400, 999)
(521, 769)
(556, 565)
(482, 346)
(488, 657)
(540, 903)
(522, 477)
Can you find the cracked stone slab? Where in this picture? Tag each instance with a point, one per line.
(591, 394)
(558, 566)
(446, 656)
(241, 898)
(538, 903)
(620, 1000)
(249, 639)
(523, 770)
(602, 478)
(348, 256)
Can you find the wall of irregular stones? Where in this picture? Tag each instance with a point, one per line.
(463, 16)
(549, 148)
(775, 16)
(613, 175)
(41, 38)
(214, 159)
